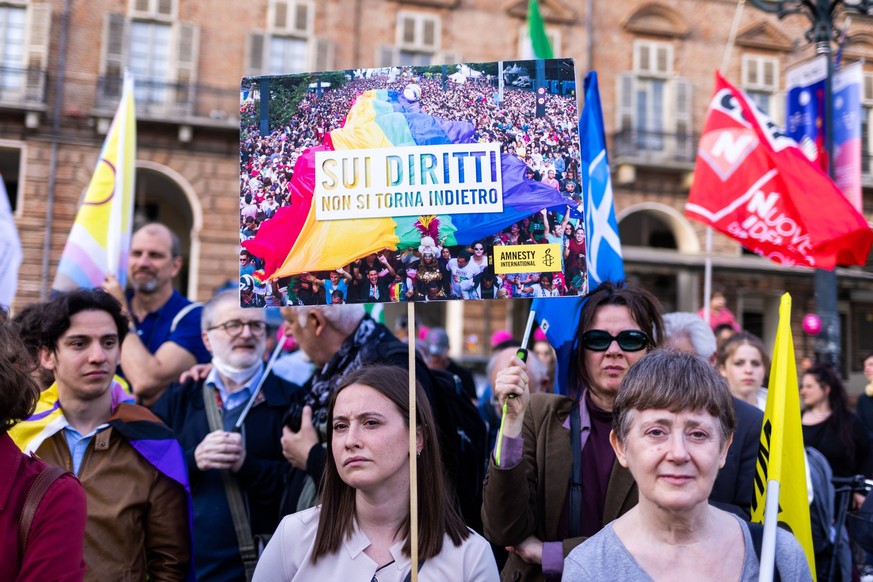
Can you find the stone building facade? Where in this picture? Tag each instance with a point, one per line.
(60, 78)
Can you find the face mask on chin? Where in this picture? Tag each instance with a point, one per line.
(234, 373)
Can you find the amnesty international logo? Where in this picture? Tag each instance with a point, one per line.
(527, 258)
(548, 260)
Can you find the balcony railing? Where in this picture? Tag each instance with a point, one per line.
(23, 88)
(174, 102)
(655, 147)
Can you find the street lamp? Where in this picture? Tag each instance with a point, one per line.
(820, 14)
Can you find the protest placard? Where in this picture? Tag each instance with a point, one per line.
(411, 184)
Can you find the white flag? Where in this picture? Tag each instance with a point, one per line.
(10, 251)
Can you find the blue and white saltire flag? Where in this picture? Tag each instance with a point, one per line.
(605, 262)
(559, 318)
(10, 251)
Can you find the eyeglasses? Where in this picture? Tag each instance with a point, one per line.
(234, 327)
(629, 340)
(478, 248)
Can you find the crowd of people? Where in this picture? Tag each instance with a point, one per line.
(643, 468)
(549, 146)
(433, 272)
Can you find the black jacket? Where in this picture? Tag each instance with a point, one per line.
(734, 488)
(262, 477)
(362, 292)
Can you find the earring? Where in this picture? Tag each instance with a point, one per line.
(418, 453)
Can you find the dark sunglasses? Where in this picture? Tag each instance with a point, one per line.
(629, 340)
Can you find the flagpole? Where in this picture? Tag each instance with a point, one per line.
(113, 240)
(707, 266)
(768, 545)
(707, 276)
(413, 448)
(725, 60)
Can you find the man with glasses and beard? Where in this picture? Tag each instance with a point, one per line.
(251, 456)
(165, 339)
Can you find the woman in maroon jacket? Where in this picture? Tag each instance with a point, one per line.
(52, 550)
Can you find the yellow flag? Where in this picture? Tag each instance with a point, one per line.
(781, 455)
(99, 242)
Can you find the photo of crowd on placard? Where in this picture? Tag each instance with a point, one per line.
(440, 261)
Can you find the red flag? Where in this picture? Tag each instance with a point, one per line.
(753, 183)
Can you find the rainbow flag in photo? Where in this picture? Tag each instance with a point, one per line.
(293, 241)
(99, 241)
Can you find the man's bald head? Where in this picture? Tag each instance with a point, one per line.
(156, 229)
(320, 330)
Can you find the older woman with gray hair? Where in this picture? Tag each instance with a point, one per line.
(734, 488)
(673, 421)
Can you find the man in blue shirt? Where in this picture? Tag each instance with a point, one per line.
(166, 326)
(333, 283)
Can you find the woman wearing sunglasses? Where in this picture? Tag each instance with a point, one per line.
(557, 481)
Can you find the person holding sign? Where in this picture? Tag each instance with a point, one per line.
(673, 421)
(361, 529)
(551, 440)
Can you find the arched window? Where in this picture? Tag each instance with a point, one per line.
(166, 197)
(645, 229)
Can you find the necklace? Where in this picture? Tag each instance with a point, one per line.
(818, 414)
(385, 565)
(815, 418)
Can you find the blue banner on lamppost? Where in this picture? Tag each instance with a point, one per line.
(805, 120)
